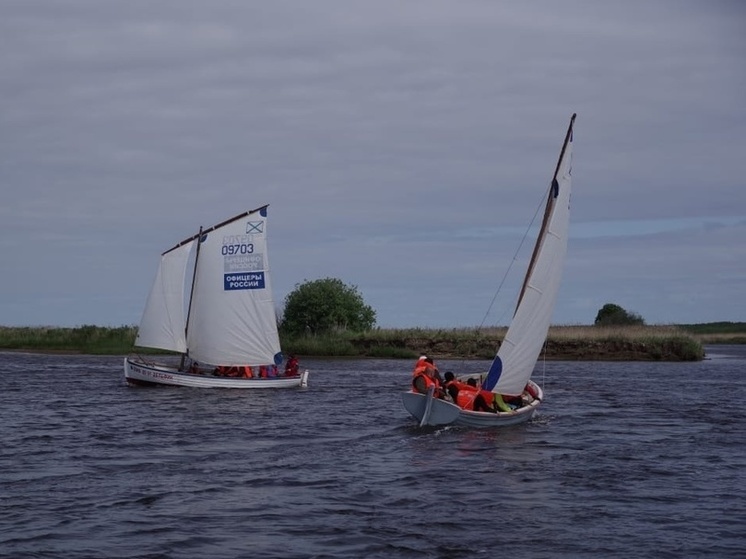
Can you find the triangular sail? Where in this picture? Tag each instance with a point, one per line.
(516, 358)
(163, 321)
(232, 320)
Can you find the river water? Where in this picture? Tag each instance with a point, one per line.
(622, 460)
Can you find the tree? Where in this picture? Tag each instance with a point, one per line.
(324, 305)
(614, 315)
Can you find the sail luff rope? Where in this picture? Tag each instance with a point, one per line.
(539, 207)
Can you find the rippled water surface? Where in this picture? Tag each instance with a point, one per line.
(622, 460)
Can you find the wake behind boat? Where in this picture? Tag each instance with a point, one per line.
(225, 327)
(509, 375)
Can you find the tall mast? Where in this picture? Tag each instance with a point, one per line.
(551, 197)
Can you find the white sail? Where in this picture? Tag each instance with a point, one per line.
(232, 318)
(527, 332)
(163, 321)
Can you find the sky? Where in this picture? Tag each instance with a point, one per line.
(403, 147)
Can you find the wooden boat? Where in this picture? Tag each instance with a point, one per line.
(211, 302)
(514, 362)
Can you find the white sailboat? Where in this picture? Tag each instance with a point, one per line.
(511, 370)
(212, 302)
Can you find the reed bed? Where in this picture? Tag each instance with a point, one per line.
(664, 342)
(668, 343)
(94, 340)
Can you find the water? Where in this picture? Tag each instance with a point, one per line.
(622, 460)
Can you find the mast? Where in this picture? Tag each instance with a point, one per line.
(191, 293)
(551, 197)
(191, 290)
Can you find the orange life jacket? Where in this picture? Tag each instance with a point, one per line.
(429, 381)
(467, 394)
(419, 367)
(422, 366)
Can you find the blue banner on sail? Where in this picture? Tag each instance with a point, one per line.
(249, 280)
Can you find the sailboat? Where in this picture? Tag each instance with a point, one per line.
(211, 302)
(513, 365)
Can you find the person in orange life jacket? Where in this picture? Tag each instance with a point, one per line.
(291, 367)
(426, 378)
(425, 363)
(466, 395)
(482, 398)
(455, 387)
(229, 371)
(420, 365)
(452, 385)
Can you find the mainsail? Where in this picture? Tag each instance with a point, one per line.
(520, 349)
(232, 319)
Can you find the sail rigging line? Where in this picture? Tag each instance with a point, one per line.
(514, 260)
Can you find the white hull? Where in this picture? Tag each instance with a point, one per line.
(139, 372)
(442, 412)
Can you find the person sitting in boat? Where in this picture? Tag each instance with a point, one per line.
(500, 403)
(419, 365)
(424, 363)
(454, 386)
(227, 371)
(470, 397)
(514, 402)
(425, 379)
(291, 367)
(451, 385)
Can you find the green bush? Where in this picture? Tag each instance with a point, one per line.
(614, 315)
(324, 306)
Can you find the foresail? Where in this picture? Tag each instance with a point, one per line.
(232, 319)
(523, 342)
(163, 321)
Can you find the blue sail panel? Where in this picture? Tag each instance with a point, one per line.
(493, 375)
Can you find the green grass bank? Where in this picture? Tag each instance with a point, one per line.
(587, 343)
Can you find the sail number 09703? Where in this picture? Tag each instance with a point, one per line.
(241, 248)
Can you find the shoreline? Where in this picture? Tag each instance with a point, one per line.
(564, 343)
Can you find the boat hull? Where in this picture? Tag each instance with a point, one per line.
(446, 413)
(428, 410)
(137, 372)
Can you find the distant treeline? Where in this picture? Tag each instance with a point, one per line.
(715, 328)
(679, 342)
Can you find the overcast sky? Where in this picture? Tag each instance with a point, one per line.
(403, 147)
